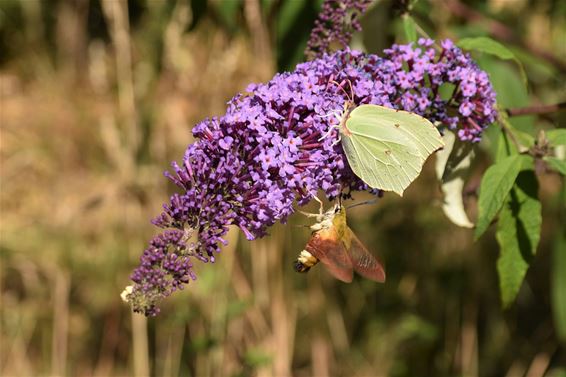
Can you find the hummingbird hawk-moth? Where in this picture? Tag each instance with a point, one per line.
(335, 245)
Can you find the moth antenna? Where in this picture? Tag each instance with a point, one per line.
(371, 201)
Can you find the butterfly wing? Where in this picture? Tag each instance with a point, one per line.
(418, 129)
(363, 261)
(386, 148)
(330, 250)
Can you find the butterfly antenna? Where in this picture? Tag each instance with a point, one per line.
(350, 99)
(347, 107)
(351, 90)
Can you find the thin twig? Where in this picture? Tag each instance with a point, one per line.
(531, 110)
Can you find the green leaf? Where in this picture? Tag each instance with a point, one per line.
(495, 185)
(452, 168)
(518, 234)
(556, 136)
(558, 286)
(492, 47)
(535, 65)
(410, 28)
(487, 45)
(510, 94)
(387, 148)
(556, 164)
(504, 147)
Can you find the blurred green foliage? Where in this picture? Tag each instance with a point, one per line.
(99, 96)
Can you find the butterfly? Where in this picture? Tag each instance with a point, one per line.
(387, 148)
(384, 147)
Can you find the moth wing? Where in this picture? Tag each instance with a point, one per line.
(363, 261)
(326, 246)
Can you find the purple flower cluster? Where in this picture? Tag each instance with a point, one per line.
(165, 267)
(336, 22)
(421, 73)
(276, 145)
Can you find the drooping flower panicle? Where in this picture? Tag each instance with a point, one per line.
(276, 145)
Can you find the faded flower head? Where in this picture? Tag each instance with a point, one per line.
(336, 22)
(276, 146)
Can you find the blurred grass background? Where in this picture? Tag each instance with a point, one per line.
(98, 97)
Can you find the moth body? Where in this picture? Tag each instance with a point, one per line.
(334, 244)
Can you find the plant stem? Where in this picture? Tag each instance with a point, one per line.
(508, 131)
(540, 109)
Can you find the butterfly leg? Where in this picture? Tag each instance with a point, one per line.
(332, 128)
(337, 140)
